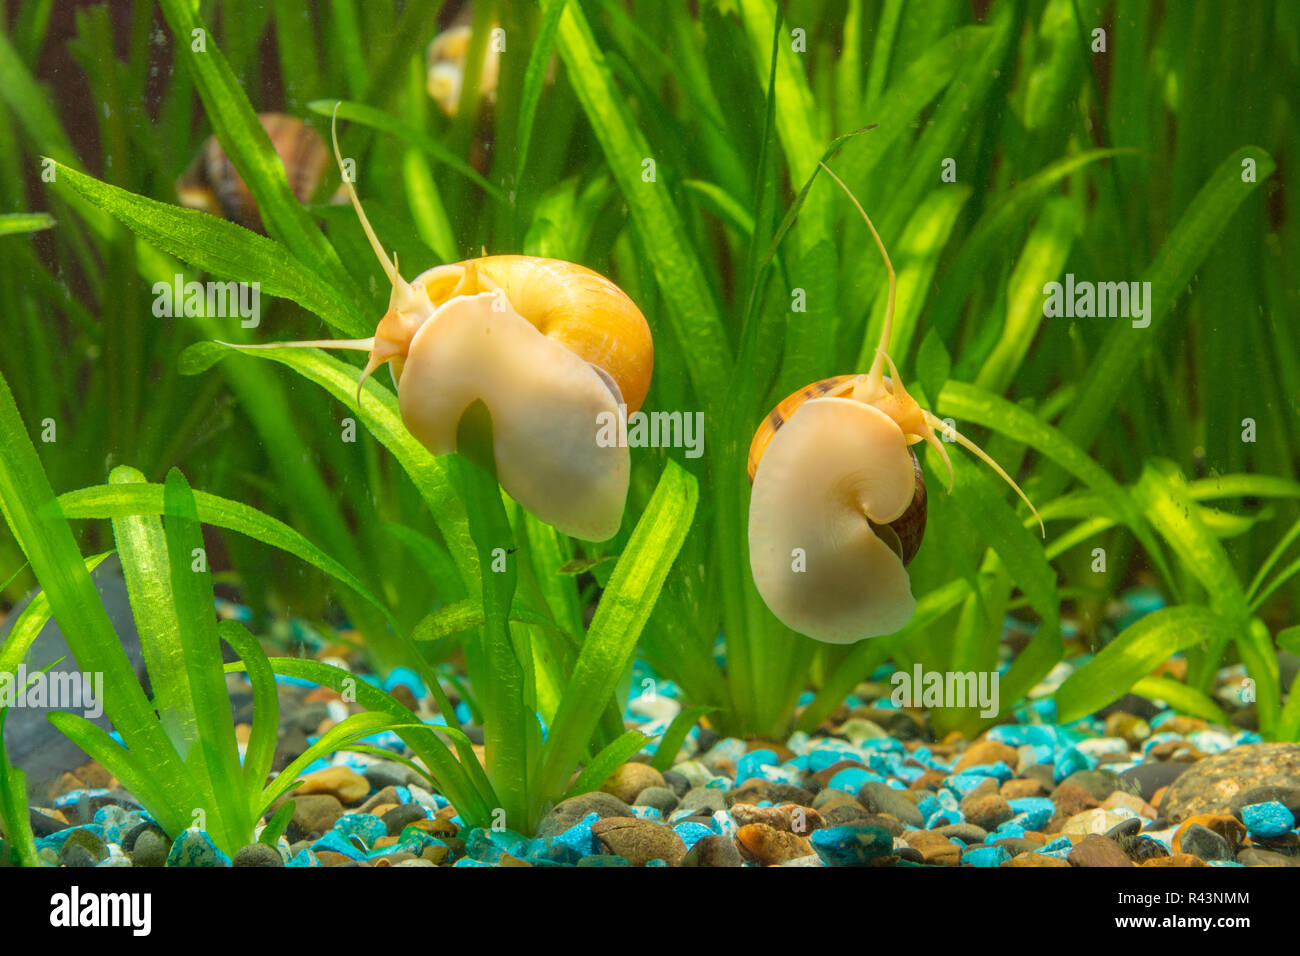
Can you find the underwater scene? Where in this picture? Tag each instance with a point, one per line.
(650, 433)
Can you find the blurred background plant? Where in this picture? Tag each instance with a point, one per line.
(664, 145)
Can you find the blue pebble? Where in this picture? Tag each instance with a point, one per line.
(1008, 829)
(1060, 847)
(852, 779)
(823, 758)
(1071, 760)
(691, 832)
(1017, 735)
(335, 842)
(488, 845)
(886, 764)
(466, 861)
(751, 765)
(195, 848)
(551, 850)
(944, 818)
(851, 846)
(963, 783)
(1032, 812)
(363, 826)
(805, 699)
(999, 771)
(929, 804)
(55, 841)
(1271, 819)
(579, 836)
(985, 856)
(405, 677)
(304, 858)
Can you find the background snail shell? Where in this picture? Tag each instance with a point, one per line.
(445, 59)
(905, 532)
(211, 182)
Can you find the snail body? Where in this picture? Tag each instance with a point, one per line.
(838, 506)
(212, 183)
(547, 346)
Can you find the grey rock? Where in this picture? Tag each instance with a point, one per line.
(43, 825)
(258, 854)
(568, 812)
(661, 798)
(399, 817)
(966, 832)
(1210, 784)
(1146, 778)
(1205, 843)
(879, 798)
(1125, 828)
(1099, 783)
(677, 783)
(713, 850)
(704, 798)
(150, 849)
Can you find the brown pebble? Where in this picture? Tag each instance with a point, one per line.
(1096, 850)
(935, 848)
(629, 780)
(1070, 798)
(388, 796)
(1027, 787)
(639, 841)
(330, 858)
(987, 810)
(1133, 802)
(788, 817)
(983, 752)
(1036, 859)
(435, 827)
(340, 782)
(1178, 859)
(770, 846)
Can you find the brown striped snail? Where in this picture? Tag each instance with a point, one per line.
(829, 545)
(211, 182)
(548, 346)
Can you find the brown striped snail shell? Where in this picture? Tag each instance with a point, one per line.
(212, 183)
(838, 505)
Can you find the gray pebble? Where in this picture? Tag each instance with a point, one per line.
(713, 850)
(258, 854)
(661, 798)
(703, 798)
(150, 849)
(879, 798)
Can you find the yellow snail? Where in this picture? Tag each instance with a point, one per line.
(212, 184)
(547, 346)
(838, 504)
(445, 60)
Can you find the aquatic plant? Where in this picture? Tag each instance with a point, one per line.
(678, 154)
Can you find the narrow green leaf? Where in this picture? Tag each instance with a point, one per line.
(1136, 652)
(675, 736)
(623, 610)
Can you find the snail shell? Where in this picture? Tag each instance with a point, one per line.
(445, 59)
(904, 533)
(212, 183)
